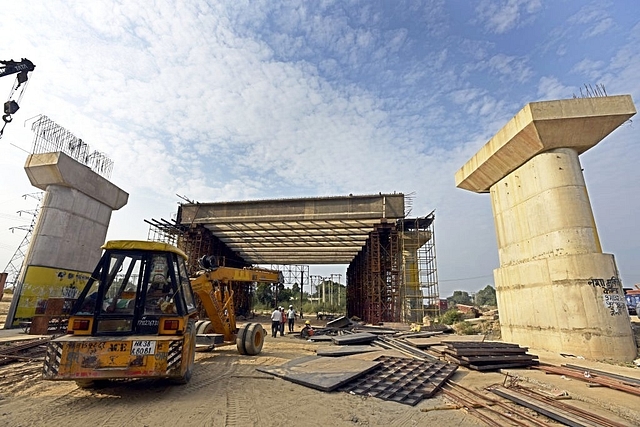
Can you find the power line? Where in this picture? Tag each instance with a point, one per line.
(467, 278)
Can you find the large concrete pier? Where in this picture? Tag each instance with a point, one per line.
(70, 229)
(556, 290)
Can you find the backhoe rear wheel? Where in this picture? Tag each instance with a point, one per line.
(204, 327)
(250, 339)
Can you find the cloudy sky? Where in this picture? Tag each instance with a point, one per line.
(241, 100)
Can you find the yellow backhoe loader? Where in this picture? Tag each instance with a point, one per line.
(137, 316)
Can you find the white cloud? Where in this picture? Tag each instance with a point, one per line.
(591, 69)
(221, 101)
(502, 16)
(595, 17)
(550, 88)
(506, 67)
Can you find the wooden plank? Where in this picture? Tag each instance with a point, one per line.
(496, 366)
(440, 339)
(484, 344)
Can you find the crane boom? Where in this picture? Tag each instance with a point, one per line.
(22, 69)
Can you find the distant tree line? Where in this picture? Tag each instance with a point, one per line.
(486, 296)
(268, 296)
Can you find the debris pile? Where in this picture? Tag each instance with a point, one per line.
(22, 350)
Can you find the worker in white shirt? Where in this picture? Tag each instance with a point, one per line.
(276, 318)
(291, 317)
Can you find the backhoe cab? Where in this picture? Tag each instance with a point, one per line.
(136, 318)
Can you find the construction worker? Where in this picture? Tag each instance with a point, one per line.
(307, 331)
(291, 317)
(283, 320)
(276, 318)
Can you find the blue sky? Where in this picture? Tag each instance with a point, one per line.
(239, 100)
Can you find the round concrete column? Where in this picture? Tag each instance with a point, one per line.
(542, 210)
(556, 290)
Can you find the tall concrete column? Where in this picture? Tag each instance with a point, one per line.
(556, 290)
(73, 219)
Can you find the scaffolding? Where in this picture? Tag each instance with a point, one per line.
(420, 293)
(392, 279)
(374, 279)
(292, 274)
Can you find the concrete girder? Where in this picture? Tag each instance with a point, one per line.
(322, 230)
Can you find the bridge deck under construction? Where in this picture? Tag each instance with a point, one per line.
(367, 232)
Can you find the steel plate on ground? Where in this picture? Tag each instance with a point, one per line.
(358, 338)
(320, 338)
(321, 373)
(344, 350)
(402, 380)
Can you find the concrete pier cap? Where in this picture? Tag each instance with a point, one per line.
(556, 290)
(578, 123)
(57, 168)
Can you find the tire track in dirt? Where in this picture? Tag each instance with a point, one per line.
(240, 410)
(193, 403)
(136, 403)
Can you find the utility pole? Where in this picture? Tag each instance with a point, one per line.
(302, 290)
(333, 281)
(14, 267)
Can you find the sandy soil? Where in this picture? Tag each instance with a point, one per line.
(226, 390)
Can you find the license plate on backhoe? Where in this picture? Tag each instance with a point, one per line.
(143, 348)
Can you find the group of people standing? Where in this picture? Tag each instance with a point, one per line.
(279, 318)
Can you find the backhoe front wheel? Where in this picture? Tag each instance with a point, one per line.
(188, 353)
(250, 339)
(85, 383)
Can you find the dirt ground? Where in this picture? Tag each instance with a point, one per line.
(225, 390)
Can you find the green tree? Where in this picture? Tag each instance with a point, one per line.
(285, 295)
(264, 294)
(460, 297)
(486, 296)
(295, 288)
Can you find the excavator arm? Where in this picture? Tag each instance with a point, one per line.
(213, 287)
(22, 69)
